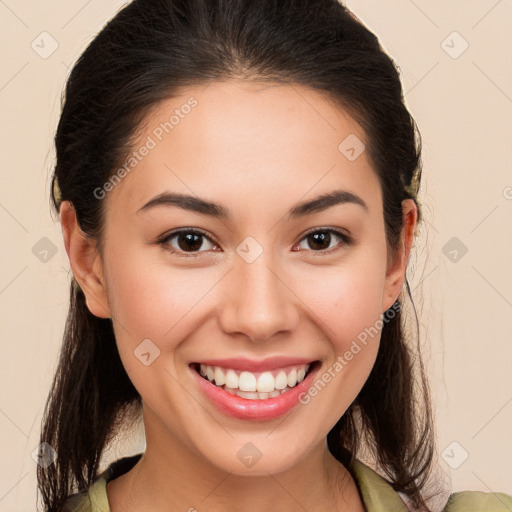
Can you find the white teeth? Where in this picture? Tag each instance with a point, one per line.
(254, 385)
(281, 380)
(219, 377)
(255, 395)
(265, 382)
(292, 378)
(231, 379)
(247, 382)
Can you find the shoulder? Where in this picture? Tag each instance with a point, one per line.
(478, 501)
(378, 495)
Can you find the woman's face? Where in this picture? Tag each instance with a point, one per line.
(254, 284)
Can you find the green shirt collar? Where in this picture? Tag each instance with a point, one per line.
(377, 493)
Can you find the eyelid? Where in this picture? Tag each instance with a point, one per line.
(346, 238)
(164, 239)
(341, 232)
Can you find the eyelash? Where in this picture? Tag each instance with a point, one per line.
(164, 241)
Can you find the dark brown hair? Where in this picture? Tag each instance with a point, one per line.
(148, 50)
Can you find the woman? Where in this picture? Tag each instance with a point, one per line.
(237, 186)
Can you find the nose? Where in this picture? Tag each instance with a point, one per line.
(259, 302)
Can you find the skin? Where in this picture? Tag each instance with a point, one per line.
(257, 149)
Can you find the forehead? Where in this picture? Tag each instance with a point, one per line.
(247, 143)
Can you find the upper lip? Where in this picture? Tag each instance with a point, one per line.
(271, 363)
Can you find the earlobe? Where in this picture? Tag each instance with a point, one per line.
(397, 267)
(85, 262)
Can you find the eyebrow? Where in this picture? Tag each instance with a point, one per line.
(198, 205)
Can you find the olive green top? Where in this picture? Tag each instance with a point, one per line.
(376, 492)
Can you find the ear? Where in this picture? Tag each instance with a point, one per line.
(85, 262)
(397, 264)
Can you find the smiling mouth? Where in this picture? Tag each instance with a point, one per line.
(255, 385)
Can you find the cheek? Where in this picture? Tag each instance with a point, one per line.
(347, 299)
(347, 305)
(163, 302)
(157, 304)
(153, 302)
(171, 306)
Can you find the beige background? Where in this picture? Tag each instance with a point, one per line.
(463, 106)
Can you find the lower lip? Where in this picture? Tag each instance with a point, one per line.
(255, 410)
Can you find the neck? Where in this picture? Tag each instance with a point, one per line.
(171, 476)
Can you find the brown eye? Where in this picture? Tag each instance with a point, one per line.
(185, 241)
(322, 240)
